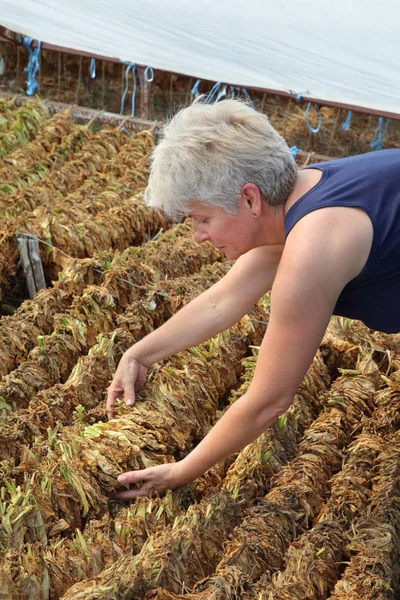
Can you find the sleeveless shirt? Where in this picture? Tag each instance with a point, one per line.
(370, 182)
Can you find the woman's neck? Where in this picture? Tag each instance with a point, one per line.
(305, 181)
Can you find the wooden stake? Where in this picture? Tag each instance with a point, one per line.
(187, 99)
(171, 91)
(288, 111)
(332, 137)
(122, 81)
(103, 82)
(79, 79)
(262, 103)
(144, 97)
(59, 76)
(28, 246)
(40, 74)
(18, 64)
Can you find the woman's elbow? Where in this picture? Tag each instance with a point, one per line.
(268, 410)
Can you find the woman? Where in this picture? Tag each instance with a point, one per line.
(325, 239)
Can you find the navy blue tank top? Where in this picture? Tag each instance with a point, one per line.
(371, 182)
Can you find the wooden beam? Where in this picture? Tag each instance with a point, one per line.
(134, 123)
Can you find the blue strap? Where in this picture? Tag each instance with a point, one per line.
(93, 68)
(149, 74)
(221, 94)
(318, 127)
(346, 124)
(233, 89)
(33, 65)
(294, 150)
(246, 94)
(212, 92)
(130, 67)
(195, 89)
(379, 134)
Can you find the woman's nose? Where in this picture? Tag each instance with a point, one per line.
(199, 235)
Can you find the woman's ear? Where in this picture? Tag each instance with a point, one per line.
(251, 196)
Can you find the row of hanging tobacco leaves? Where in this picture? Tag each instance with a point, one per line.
(309, 510)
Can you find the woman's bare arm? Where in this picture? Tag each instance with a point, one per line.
(316, 264)
(217, 309)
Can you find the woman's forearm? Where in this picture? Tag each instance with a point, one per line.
(241, 424)
(205, 316)
(217, 309)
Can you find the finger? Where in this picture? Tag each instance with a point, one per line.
(133, 476)
(112, 396)
(129, 395)
(145, 490)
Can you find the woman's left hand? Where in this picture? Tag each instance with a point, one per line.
(155, 479)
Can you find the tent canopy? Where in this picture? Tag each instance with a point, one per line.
(344, 52)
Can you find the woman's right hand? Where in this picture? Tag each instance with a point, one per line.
(128, 379)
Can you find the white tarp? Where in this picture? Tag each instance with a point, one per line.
(344, 51)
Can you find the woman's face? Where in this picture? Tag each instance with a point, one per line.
(233, 235)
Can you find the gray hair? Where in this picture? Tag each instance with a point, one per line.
(209, 151)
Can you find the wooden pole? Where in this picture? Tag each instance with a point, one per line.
(171, 91)
(144, 96)
(103, 82)
(28, 246)
(122, 81)
(79, 80)
(59, 76)
(187, 99)
(18, 64)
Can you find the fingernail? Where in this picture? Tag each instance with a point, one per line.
(130, 402)
(122, 478)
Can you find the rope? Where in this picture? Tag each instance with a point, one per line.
(247, 96)
(130, 67)
(297, 96)
(379, 134)
(221, 94)
(212, 92)
(149, 74)
(346, 124)
(310, 127)
(294, 150)
(195, 89)
(33, 65)
(93, 68)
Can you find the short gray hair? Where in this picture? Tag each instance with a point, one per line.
(209, 151)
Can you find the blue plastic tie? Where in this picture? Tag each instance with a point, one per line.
(296, 95)
(130, 67)
(33, 65)
(221, 94)
(232, 90)
(310, 127)
(93, 68)
(294, 150)
(246, 94)
(379, 134)
(195, 89)
(346, 124)
(212, 93)
(149, 74)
